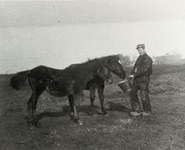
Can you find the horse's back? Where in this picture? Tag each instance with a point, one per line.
(40, 72)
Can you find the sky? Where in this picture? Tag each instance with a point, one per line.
(61, 33)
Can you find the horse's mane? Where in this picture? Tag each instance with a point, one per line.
(102, 61)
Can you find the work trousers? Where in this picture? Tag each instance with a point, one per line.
(143, 87)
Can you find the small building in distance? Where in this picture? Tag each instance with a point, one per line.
(169, 59)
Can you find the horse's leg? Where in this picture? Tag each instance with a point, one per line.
(32, 102)
(36, 123)
(76, 103)
(101, 97)
(92, 91)
(71, 101)
(29, 109)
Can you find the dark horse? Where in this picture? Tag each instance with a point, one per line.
(70, 82)
(113, 63)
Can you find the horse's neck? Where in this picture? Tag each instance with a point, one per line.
(92, 69)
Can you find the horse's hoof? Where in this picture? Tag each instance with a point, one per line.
(37, 124)
(103, 113)
(31, 127)
(90, 113)
(80, 122)
(30, 121)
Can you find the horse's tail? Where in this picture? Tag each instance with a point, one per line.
(18, 80)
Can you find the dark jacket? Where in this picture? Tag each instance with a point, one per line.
(142, 68)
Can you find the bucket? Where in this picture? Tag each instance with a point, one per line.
(125, 85)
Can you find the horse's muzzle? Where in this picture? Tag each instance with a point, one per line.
(109, 81)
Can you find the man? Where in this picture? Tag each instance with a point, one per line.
(141, 77)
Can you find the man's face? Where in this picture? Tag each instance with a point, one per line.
(141, 51)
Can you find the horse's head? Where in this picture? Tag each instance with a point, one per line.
(117, 69)
(105, 74)
(115, 66)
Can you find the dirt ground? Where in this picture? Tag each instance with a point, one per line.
(164, 130)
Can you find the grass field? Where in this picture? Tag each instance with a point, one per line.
(164, 130)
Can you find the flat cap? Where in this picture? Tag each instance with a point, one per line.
(140, 46)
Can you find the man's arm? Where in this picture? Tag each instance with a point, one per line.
(143, 69)
(132, 72)
(133, 69)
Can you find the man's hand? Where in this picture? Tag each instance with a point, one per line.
(131, 76)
